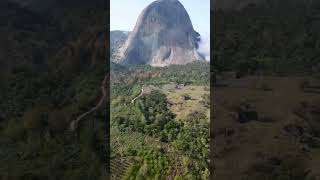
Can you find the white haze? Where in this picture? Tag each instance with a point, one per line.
(204, 46)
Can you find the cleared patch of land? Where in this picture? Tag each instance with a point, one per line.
(184, 100)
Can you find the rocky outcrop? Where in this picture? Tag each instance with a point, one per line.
(163, 35)
(117, 39)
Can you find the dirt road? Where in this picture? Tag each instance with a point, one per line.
(138, 95)
(74, 123)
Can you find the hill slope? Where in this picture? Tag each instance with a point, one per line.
(51, 72)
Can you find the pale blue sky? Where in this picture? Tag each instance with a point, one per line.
(124, 14)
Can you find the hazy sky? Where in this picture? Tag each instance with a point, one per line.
(124, 13)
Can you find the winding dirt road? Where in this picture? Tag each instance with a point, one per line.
(74, 123)
(138, 95)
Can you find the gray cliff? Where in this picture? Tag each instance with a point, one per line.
(163, 35)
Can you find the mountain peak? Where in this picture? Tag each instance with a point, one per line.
(163, 35)
(169, 0)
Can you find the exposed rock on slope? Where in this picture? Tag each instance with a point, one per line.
(163, 35)
(117, 39)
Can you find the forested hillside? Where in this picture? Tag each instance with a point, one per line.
(148, 140)
(52, 66)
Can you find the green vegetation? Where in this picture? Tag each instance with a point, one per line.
(193, 73)
(196, 125)
(151, 165)
(148, 132)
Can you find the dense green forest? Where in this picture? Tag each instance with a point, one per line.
(147, 131)
(52, 66)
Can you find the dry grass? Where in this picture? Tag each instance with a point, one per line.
(183, 107)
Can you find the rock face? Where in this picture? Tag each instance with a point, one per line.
(117, 39)
(163, 35)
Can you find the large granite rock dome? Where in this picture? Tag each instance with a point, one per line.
(163, 35)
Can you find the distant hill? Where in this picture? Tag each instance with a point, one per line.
(117, 39)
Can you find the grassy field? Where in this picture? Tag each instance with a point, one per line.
(184, 100)
(239, 145)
